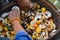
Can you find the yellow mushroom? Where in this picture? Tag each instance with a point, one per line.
(38, 6)
(12, 32)
(34, 37)
(43, 9)
(30, 27)
(5, 28)
(38, 30)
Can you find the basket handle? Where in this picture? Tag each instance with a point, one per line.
(7, 5)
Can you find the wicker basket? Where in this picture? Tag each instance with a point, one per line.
(43, 3)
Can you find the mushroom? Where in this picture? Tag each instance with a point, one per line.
(47, 14)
